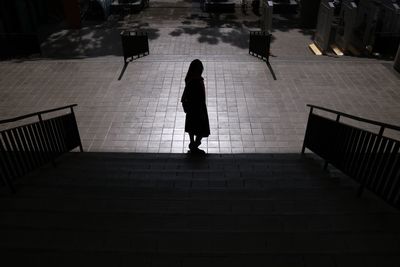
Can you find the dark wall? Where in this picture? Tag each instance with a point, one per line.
(309, 13)
(2, 30)
(72, 11)
(25, 16)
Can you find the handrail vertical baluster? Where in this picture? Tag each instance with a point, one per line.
(363, 182)
(31, 145)
(43, 138)
(20, 150)
(58, 136)
(41, 149)
(51, 142)
(11, 155)
(6, 164)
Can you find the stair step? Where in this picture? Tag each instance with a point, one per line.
(199, 243)
(178, 222)
(115, 209)
(117, 258)
(201, 205)
(181, 188)
(206, 179)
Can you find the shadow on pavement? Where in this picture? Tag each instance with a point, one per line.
(97, 39)
(225, 28)
(92, 40)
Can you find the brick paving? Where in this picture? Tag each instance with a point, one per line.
(249, 111)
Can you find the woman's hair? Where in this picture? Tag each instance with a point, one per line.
(195, 70)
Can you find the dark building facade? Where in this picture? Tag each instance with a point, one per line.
(25, 16)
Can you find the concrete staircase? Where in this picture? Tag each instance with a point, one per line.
(115, 209)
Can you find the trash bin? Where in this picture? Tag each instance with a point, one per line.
(134, 44)
(259, 44)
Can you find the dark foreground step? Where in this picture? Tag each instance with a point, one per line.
(199, 243)
(128, 259)
(177, 222)
(115, 209)
(194, 204)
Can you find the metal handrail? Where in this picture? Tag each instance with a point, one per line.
(370, 158)
(36, 114)
(27, 147)
(381, 124)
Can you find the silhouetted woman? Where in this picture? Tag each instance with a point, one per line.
(194, 105)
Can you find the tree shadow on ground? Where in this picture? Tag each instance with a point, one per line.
(286, 22)
(96, 39)
(251, 23)
(92, 40)
(234, 29)
(213, 36)
(218, 28)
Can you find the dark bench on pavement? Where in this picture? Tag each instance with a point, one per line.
(259, 45)
(134, 44)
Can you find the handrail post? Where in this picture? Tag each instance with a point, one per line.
(364, 180)
(46, 136)
(326, 162)
(53, 162)
(304, 141)
(77, 131)
(381, 130)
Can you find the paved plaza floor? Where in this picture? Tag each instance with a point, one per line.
(138, 109)
(252, 200)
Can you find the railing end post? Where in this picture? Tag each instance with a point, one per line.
(305, 135)
(79, 137)
(381, 130)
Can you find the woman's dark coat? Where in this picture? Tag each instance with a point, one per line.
(194, 102)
